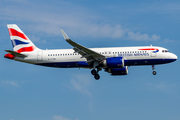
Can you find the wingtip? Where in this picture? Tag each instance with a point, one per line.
(65, 35)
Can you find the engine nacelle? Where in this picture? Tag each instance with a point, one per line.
(114, 62)
(118, 71)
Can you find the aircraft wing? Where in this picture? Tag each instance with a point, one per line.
(87, 53)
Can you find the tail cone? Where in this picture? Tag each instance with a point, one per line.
(9, 56)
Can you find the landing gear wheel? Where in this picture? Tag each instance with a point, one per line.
(96, 76)
(154, 72)
(153, 68)
(93, 72)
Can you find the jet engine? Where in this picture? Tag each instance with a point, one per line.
(118, 71)
(114, 62)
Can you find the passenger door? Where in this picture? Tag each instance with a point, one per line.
(39, 56)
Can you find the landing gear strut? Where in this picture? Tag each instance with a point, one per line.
(153, 68)
(95, 73)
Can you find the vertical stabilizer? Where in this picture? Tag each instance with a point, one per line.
(20, 42)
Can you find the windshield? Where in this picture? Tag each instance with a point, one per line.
(164, 51)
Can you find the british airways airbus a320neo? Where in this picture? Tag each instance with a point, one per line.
(113, 60)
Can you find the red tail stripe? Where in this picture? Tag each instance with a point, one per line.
(149, 49)
(13, 32)
(25, 49)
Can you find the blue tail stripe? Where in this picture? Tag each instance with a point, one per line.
(18, 42)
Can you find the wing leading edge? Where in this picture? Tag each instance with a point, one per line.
(89, 54)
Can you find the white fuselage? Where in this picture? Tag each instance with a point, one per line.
(66, 58)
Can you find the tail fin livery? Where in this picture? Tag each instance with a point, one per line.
(20, 42)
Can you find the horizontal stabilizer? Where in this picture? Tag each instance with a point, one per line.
(15, 53)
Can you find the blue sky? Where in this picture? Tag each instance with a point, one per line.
(30, 92)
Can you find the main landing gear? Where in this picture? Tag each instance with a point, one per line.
(153, 68)
(95, 73)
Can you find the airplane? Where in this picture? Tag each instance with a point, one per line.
(114, 60)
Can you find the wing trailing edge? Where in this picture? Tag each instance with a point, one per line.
(85, 52)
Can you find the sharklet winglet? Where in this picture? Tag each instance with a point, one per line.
(65, 35)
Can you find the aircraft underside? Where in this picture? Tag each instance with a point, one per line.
(126, 63)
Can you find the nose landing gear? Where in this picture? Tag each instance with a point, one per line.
(153, 68)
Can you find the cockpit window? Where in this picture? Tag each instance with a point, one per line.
(165, 51)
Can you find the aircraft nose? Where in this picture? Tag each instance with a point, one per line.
(173, 56)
